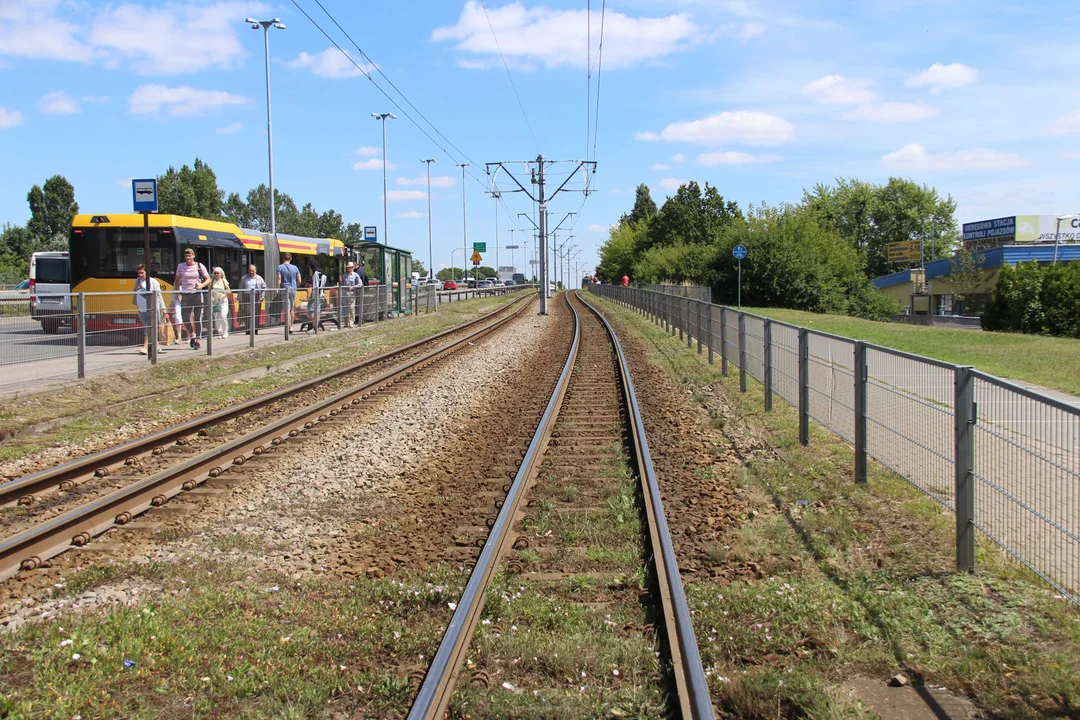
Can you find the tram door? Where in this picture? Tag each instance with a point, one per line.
(202, 255)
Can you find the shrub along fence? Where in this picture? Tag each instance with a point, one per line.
(1005, 460)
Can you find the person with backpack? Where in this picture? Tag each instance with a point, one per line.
(191, 278)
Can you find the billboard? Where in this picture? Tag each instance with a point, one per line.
(905, 251)
(1020, 229)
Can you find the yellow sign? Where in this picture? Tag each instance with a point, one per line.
(475, 257)
(905, 251)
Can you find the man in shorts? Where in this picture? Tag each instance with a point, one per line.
(288, 280)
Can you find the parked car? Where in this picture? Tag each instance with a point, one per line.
(23, 287)
(486, 283)
(450, 285)
(509, 283)
(50, 290)
(472, 282)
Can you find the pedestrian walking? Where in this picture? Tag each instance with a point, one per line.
(349, 285)
(253, 288)
(288, 280)
(219, 303)
(315, 296)
(179, 329)
(143, 289)
(192, 278)
(626, 281)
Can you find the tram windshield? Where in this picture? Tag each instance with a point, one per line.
(112, 252)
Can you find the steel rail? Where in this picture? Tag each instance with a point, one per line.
(28, 549)
(694, 700)
(690, 681)
(434, 696)
(100, 464)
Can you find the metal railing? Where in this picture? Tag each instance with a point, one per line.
(65, 335)
(1003, 459)
(697, 292)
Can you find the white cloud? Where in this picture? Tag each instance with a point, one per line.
(32, 30)
(1069, 123)
(58, 103)
(9, 118)
(660, 166)
(678, 158)
(230, 129)
(890, 112)
(368, 151)
(914, 157)
(373, 164)
(672, 184)
(411, 215)
(940, 76)
(183, 100)
(596, 227)
(399, 195)
(752, 128)
(556, 38)
(839, 90)
(436, 182)
(330, 63)
(96, 99)
(176, 38)
(734, 158)
(740, 30)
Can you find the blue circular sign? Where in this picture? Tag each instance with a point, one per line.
(739, 251)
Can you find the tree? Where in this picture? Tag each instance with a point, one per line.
(16, 244)
(258, 202)
(482, 272)
(618, 253)
(966, 274)
(331, 225)
(691, 216)
(644, 207)
(238, 212)
(449, 273)
(52, 209)
(192, 192)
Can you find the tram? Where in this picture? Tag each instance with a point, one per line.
(106, 249)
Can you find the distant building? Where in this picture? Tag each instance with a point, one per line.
(506, 272)
(929, 292)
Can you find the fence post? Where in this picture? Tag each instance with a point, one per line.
(363, 291)
(708, 329)
(742, 352)
(861, 450)
(207, 303)
(82, 335)
(152, 317)
(723, 341)
(340, 307)
(767, 374)
(689, 325)
(965, 419)
(804, 386)
(678, 304)
(253, 321)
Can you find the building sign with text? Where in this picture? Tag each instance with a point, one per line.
(1020, 229)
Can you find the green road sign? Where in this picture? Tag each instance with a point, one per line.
(480, 247)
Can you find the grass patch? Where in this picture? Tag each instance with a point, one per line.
(859, 580)
(231, 646)
(1048, 361)
(83, 400)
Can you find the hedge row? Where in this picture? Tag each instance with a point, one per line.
(1030, 298)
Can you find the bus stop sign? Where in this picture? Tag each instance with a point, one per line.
(144, 195)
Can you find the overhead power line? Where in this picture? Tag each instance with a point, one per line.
(599, 67)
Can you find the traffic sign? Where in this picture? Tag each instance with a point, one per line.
(371, 233)
(476, 257)
(144, 195)
(739, 252)
(479, 246)
(509, 247)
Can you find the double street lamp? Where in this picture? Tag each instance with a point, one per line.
(266, 25)
(386, 228)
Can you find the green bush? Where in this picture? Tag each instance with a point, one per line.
(1030, 298)
(1061, 300)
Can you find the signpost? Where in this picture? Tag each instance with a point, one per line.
(739, 252)
(479, 247)
(476, 257)
(144, 199)
(371, 233)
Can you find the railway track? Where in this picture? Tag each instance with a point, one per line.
(27, 548)
(570, 522)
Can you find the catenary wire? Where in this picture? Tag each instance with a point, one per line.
(599, 67)
(509, 77)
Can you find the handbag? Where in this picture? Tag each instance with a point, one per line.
(166, 334)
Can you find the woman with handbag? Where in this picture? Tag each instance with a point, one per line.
(219, 299)
(144, 289)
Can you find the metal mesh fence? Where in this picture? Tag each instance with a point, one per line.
(1005, 459)
(696, 292)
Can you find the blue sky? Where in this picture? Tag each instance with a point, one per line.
(759, 97)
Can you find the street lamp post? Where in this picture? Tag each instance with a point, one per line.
(386, 224)
(431, 254)
(266, 25)
(464, 223)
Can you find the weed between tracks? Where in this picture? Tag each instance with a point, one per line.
(226, 643)
(858, 581)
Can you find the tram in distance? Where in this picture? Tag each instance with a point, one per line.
(106, 249)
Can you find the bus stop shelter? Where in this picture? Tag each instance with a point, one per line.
(388, 265)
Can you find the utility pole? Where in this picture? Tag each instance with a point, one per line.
(266, 25)
(464, 228)
(495, 194)
(431, 254)
(385, 221)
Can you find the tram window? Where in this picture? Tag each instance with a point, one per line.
(116, 252)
